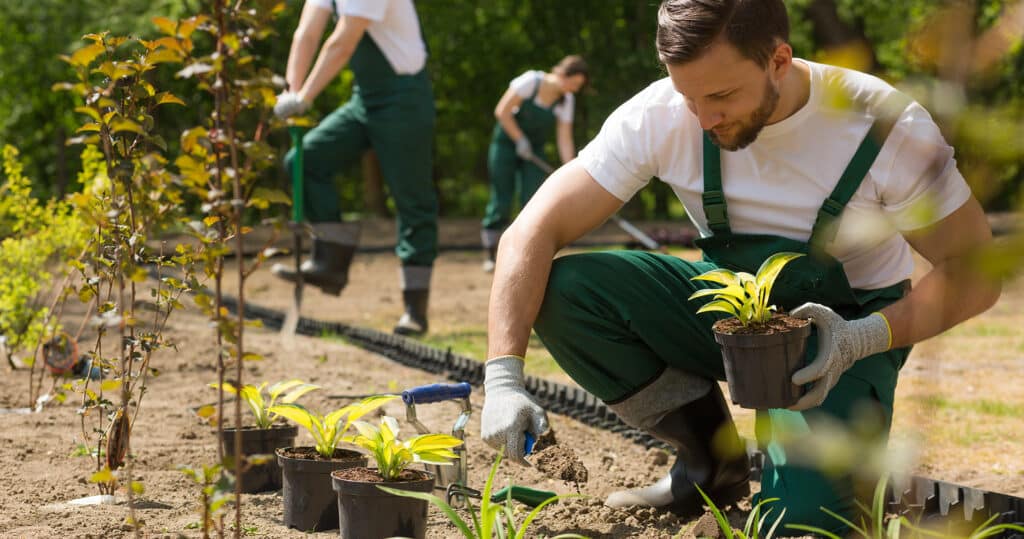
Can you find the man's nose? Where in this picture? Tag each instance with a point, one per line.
(709, 118)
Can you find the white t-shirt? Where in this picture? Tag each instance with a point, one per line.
(777, 184)
(394, 26)
(524, 86)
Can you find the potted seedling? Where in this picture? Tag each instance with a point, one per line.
(761, 348)
(261, 474)
(306, 471)
(366, 511)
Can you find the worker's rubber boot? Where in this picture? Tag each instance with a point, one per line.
(414, 319)
(334, 245)
(416, 296)
(709, 453)
(492, 258)
(490, 240)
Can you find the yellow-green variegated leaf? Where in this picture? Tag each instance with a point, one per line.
(368, 405)
(297, 392)
(432, 442)
(732, 293)
(388, 429)
(719, 306)
(768, 272)
(297, 413)
(280, 387)
(721, 276)
(440, 457)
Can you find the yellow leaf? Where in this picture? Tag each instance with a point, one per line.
(85, 55)
(211, 220)
(139, 275)
(163, 55)
(167, 97)
(138, 488)
(121, 126)
(110, 385)
(206, 411)
(165, 25)
(102, 476)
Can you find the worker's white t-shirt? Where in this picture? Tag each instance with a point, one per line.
(394, 27)
(777, 184)
(526, 84)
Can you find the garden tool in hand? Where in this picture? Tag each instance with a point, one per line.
(456, 493)
(456, 473)
(627, 227)
(291, 319)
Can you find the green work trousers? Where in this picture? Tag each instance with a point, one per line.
(614, 321)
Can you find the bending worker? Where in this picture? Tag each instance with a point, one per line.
(768, 153)
(392, 112)
(534, 103)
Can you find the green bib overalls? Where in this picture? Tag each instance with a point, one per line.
(394, 115)
(614, 321)
(507, 170)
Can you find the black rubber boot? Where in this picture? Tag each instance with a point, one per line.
(709, 452)
(327, 268)
(414, 320)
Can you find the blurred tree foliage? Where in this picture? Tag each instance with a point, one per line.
(478, 46)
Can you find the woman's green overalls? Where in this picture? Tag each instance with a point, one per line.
(394, 115)
(507, 170)
(615, 321)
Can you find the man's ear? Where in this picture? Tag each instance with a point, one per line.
(780, 61)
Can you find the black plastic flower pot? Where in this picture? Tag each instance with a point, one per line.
(759, 367)
(309, 500)
(366, 512)
(267, 475)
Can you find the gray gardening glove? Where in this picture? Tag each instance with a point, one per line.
(289, 104)
(841, 343)
(509, 411)
(523, 148)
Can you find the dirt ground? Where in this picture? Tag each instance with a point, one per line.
(959, 402)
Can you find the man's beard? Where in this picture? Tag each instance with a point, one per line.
(747, 131)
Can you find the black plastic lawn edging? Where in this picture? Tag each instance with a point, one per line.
(917, 497)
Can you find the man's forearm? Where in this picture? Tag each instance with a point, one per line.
(299, 59)
(517, 292)
(334, 56)
(950, 293)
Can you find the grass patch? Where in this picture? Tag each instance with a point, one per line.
(983, 406)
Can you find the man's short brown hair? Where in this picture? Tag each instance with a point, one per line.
(686, 28)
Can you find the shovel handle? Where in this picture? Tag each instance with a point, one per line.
(298, 195)
(436, 393)
(528, 496)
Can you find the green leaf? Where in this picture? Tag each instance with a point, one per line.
(120, 126)
(297, 413)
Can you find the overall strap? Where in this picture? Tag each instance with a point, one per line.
(825, 225)
(713, 197)
(536, 89)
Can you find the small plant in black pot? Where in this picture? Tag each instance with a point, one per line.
(761, 348)
(365, 507)
(260, 441)
(309, 501)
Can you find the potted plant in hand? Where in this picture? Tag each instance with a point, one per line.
(369, 512)
(263, 474)
(761, 348)
(308, 498)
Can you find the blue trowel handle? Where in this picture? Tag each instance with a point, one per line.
(528, 443)
(436, 393)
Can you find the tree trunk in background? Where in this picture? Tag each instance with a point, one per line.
(373, 186)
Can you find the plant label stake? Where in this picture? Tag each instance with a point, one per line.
(444, 475)
(291, 319)
(627, 227)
